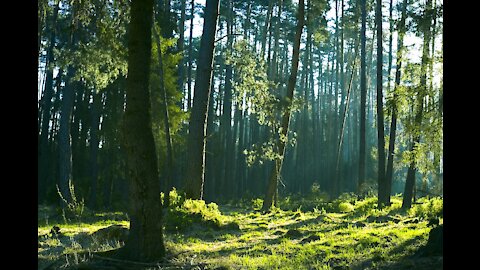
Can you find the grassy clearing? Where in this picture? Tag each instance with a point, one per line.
(351, 234)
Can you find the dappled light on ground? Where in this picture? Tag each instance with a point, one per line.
(361, 238)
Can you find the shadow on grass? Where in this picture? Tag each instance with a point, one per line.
(402, 262)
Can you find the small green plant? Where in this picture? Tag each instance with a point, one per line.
(190, 212)
(428, 208)
(75, 208)
(315, 189)
(345, 207)
(367, 205)
(257, 203)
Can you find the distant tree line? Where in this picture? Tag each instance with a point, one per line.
(273, 98)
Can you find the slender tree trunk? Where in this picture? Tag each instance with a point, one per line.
(266, 26)
(410, 181)
(181, 49)
(246, 25)
(390, 40)
(210, 157)
(190, 58)
(65, 141)
(227, 108)
(273, 181)
(363, 97)
(198, 119)
(344, 118)
(46, 108)
(383, 195)
(393, 123)
(170, 169)
(94, 141)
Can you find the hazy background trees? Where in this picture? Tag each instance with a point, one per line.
(332, 142)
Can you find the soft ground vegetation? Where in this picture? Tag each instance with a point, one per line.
(348, 233)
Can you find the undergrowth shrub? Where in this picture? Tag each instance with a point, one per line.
(257, 203)
(308, 202)
(345, 207)
(75, 209)
(427, 208)
(185, 213)
(366, 205)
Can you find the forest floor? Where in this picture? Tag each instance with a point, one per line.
(345, 234)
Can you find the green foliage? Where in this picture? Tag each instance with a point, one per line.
(257, 203)
(310, 202)
(75, 208)
(367, 204)
(177, 118)
(252, 83)
(182, 216)
(279, 240)
(101, 56)
(428, 208)
(265, 103)
(345, 207)
(429, 127)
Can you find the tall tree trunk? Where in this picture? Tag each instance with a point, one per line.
(170, 169)
(210, 158)
(383, 195)
(226, 125)
(181, 48)
(246, 26)
(390, 40)
(46, 106)
(363, 96)
(145, 240)
(410, 181)
(393, 123)
(273, 181)
(94, 141)
(190, 58)
(198, 118)
(266, 26)
(64, 139)
(338, 177)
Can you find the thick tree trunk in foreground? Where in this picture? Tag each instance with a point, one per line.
(273, 181)
(145, 240)
(198, 119)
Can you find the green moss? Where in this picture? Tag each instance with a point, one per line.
(345, 207)
(196, 212)
(326, 239)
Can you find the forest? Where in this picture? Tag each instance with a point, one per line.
(226, 134)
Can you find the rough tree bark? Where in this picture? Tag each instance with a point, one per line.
(198, 119)
(145, 240)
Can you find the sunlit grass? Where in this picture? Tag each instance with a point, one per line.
(282, 239)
